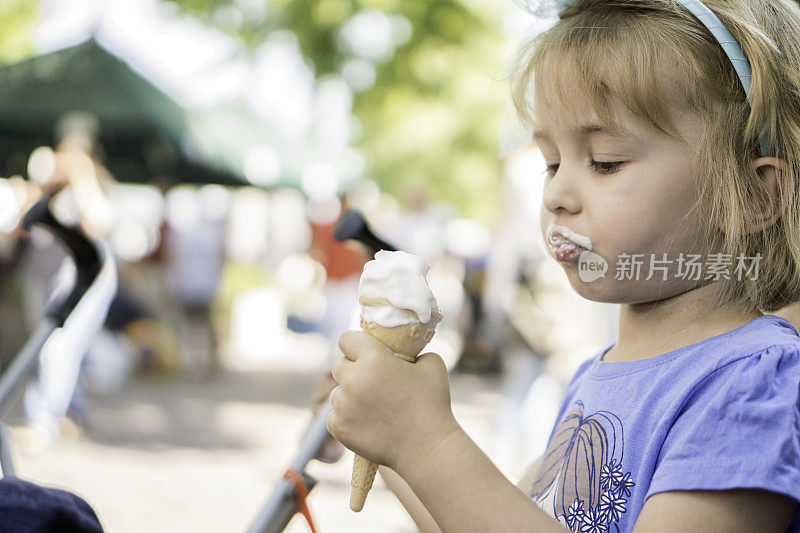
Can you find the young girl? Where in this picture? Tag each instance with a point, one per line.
(671, 189)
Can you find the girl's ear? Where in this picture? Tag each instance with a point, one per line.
(773, 173)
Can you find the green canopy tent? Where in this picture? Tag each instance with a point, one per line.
(226, 135)
(144, 134)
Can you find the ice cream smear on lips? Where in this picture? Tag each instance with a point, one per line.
(393, 291)
(565, 244)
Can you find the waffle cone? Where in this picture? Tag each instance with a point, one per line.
(406, 342)
(361, 481)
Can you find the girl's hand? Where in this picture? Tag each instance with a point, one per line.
(332, 450)
(385, 409)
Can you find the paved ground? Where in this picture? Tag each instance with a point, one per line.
(174, 456)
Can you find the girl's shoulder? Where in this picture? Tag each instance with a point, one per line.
(769, 338)
(754, 369)
(736, 426)
(766, 337)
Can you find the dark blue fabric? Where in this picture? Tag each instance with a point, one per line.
(29, 508)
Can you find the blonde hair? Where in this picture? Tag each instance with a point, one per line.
(629, 50)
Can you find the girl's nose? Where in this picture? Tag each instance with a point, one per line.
(561, 192)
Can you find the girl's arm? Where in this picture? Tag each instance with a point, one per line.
(465, 492)
(530, 476)
(419, 514)
(692, 511)
(724, 511)
(421, 517)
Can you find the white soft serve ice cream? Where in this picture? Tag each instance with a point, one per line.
(393, 290)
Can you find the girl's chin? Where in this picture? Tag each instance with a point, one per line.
(611, 291)
(595, 291)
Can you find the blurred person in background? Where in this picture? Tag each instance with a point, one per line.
(343, 262)
(77, 180)
(195, 256)
(132, 339)
(420, 227)
(13, 284)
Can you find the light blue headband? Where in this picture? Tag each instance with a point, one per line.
(732, 49)
(729, 44)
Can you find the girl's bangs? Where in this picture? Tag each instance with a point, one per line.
(596, 70)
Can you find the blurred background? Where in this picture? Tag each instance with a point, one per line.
(214, 144)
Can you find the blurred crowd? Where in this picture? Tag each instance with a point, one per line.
(239, 279)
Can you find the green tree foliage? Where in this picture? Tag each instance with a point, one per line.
(18, 19)
(431, 118)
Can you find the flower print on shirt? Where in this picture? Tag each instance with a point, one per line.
(611, 475)
(612, 505)
(575, 514)
(581, 480)
(625, 484)
(593, 522)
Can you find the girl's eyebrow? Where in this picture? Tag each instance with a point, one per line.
(591, 129)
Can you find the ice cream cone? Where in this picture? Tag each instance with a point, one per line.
(361, 481)
(406, 342)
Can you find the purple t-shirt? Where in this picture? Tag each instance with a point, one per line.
(716, 415)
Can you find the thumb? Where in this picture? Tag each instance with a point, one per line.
(431, 362)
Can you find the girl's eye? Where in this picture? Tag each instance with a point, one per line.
(606, 167)
(602, 167)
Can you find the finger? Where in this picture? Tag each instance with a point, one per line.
(332, 397)
(330, 383)
(355, 344)
(331, 451)
(323, 389)
(351, 343)
(330, 423)
(432, 362)
(340, 368)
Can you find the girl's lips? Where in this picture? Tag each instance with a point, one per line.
(565, 244)
(568, 253)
